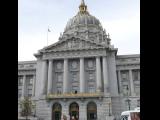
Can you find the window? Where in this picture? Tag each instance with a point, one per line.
(136, 75)
(137, 89)
(74, 64)
(29, 91)
(20, 80)
(74, 77)
(19, 92)
(138, 103)
(125, 91)
(29, 79)
(91, 89)
(29, 95)
(59, 90)
(124, 75)
(90, 63)
(59, 78)
(91, 76)
(59, 65)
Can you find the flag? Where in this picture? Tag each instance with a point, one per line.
(49, 30)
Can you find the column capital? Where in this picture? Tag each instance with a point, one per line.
(98, 56)
(81, 58)
(50, 60)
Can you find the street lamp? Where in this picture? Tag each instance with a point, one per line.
(128, 100)
(109, 108)
(138, 103)
(34, 107)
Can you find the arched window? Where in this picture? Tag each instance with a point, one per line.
(56, 111)
(91, 111)
(74, 110)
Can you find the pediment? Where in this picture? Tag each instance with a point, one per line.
(73, 44)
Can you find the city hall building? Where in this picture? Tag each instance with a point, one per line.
(81, 75)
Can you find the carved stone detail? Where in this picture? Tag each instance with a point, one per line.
(59, 65)
(90, 63)
(75, 54)
(72, 43)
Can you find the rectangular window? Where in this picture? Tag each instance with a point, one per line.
(126, 90)
(91, 89)
(29, 91)
(137, 89)
(20, 80)
(29, 79)
(91, 77)
(138, 103)
(74, 76)
(135, 75)
(19, 92)
(29, 95)
(59, 77)
(59, 90)
(124, 75)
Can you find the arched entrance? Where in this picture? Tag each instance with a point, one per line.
(56, 111)
(74, 110)
(91, 111)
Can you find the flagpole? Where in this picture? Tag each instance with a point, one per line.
(47, 36)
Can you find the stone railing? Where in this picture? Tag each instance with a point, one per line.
(74, 95)
(27, 66)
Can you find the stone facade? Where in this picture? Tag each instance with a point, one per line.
(81, 74)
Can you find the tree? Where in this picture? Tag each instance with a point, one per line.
(26, 107)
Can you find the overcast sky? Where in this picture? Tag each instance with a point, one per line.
(120, 18)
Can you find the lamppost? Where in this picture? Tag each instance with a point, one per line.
(34, 107)
(109, 108)
(128, 100)
(138, 103)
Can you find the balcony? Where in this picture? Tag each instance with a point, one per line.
(75, 95)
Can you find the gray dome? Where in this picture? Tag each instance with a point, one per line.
(82, 20)
(85, 26)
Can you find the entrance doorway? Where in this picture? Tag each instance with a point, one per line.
(91, 111)
(56, 111)
(74, 110)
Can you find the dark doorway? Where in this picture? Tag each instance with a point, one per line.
(74, 110)
(91, 111)
(56, 111)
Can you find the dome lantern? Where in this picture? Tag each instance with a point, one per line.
(83, 8)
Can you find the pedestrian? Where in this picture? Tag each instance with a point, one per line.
(73, 118)
(68, 117)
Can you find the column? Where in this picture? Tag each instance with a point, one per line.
(44, 77)
(65, 76)
(33, 85)
(82, 80)
(50, 69)
(113, 84)
(119, 79)
(98, 74)
(131, 82)
(23, 86)
(105, 74)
